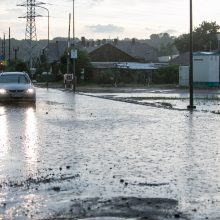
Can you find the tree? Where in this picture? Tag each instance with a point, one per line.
(21, 66)
(164, 43)
(204, 38)
(82, 63)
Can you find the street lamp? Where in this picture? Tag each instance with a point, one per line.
(48, 33)
(15, 49)
(73, 20)
(48, 23)
(191, 106)
(3, 46)
(74, 68)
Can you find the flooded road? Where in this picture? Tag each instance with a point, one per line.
(79, 156)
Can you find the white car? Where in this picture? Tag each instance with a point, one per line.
(16, 86)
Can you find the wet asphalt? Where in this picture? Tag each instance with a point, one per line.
(82, 157)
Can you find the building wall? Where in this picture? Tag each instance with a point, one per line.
(214, 69)
(184, 75)
(206, 69)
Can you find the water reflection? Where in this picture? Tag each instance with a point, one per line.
(199, 174)
(30, 133)
(18, 155)
(18, 140)
(4, 141)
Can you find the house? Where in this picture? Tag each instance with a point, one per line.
(110, 53)
(106, 55)
(55, 50)
(167, 59)
(181, 60)
(123, 58)
(122, 51)
(116, 51)
(53, 53)
(140, 51)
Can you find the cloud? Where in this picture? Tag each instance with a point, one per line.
(171, 31)
(149, 29)
(159, 29)
(86, 3)
(105, 28)
(97, 1)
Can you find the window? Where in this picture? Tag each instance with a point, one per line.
(13, 78)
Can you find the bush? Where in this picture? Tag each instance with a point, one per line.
(166, 75)
(106, 77)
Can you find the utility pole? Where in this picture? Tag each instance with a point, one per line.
(74, 50)
(68, 47)
(2, 47)
(9, 45)
(73, 21)
(4, 54)
(191, 106)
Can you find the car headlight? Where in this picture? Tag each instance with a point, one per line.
(3, 91)
(30, 91)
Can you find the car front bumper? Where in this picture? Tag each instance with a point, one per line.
(24, 97)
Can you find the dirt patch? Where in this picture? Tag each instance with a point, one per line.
(123, 207)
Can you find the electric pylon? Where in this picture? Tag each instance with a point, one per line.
(30, 33)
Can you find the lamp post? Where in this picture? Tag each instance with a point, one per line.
(48, 23)
(191, 106)
(74, 68)
(48, 34)
(9, 45)
(4, 54)
(16, 49)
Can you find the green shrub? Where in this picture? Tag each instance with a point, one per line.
(166, 75)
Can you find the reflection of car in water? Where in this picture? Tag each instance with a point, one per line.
(16, 86)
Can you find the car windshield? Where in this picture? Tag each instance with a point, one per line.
(14, 78)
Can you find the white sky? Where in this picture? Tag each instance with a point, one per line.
(110, 18)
